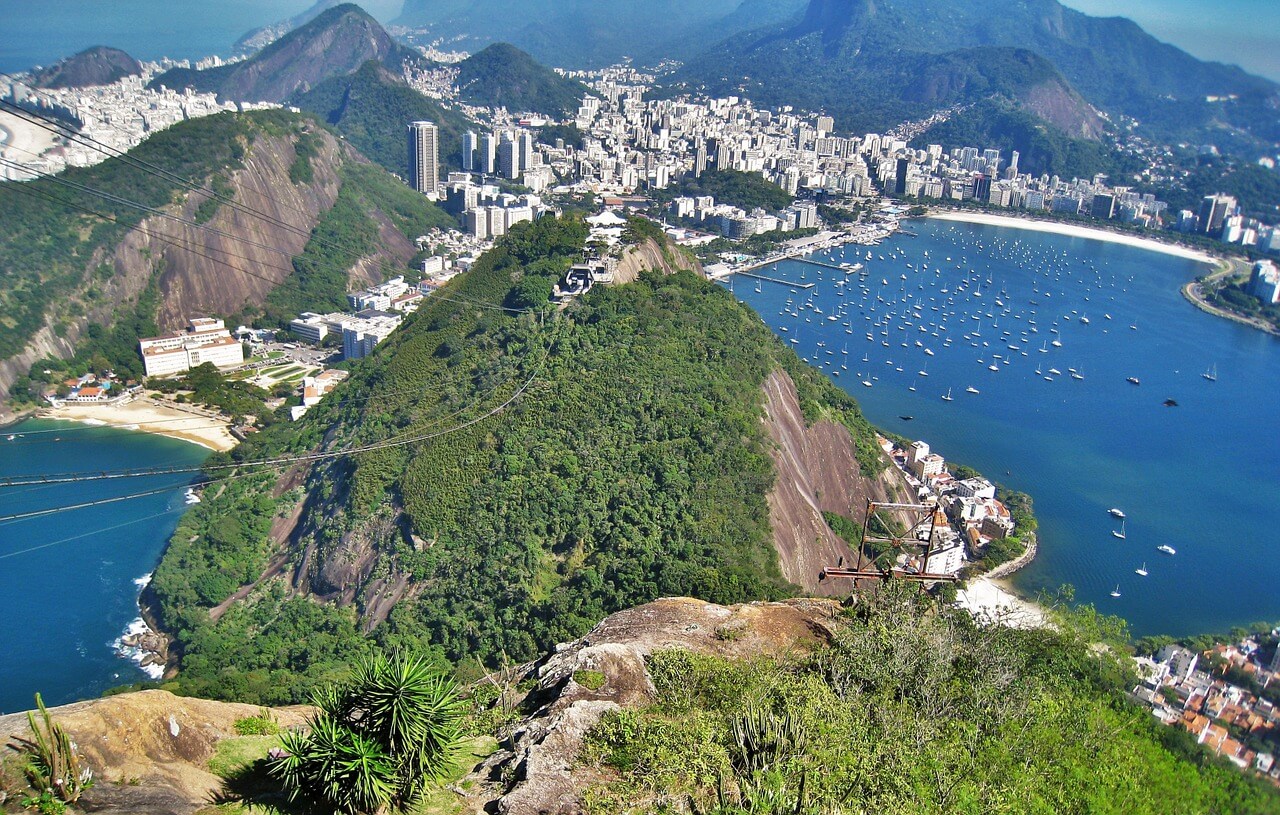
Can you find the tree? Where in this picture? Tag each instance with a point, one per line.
(378, 740)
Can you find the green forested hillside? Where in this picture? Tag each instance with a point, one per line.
(745, 190)
(372, 108)
(998, 124)
(503, 75)
(635, 466)
(913, 709)
(343, 235)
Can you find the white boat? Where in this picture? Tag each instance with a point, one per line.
(1116, 591)
(1167, 549)
(1119, 533)
(947, 397)
(1116, 513)
(1141, 570)
(971, 389)
(1211, 374)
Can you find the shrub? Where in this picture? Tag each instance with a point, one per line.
(379, 738)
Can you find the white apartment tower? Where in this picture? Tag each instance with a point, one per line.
(470, 147)
(424, 157)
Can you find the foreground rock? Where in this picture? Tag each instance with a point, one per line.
(150, 750)
(534, 771)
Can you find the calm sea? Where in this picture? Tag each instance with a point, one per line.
(42, 33)
(72, 579)
(1201, 477)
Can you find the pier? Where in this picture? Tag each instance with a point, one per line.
(777, 280)
(857, 267)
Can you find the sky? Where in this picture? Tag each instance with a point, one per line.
(1243, 32)
(1239, 32)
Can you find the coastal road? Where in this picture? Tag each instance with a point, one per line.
(1235, 267)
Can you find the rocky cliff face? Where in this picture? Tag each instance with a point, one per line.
(667, 259)
(816, 472)
(235, 258)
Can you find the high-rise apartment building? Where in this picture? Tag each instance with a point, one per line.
(424, 157)
(470, 149)
(487, 160)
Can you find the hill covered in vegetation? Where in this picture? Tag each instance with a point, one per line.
(372, 108)
(504, 76)
(98, 65)
(628, 461)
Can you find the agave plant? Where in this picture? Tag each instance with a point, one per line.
(378, 740)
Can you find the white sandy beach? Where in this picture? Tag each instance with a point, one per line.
(987, 600)
(22, 139)
(150, 417)
(1075, 231)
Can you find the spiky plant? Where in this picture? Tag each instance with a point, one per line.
(392, 728)
(52, 764)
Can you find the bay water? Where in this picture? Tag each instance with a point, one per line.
(71, 579)
(1200, 477)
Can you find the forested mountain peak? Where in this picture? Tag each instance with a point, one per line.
(335, 43)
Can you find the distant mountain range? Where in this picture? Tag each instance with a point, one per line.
(335, 43)
(876, 62)
(260, 38)
(98, 65)
(582, 33)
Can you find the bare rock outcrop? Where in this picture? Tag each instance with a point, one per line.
(536, 770)
(150, 750)
(667, 259)
(817, 471)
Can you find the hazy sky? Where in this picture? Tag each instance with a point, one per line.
(1243, 32)
(1240, 32)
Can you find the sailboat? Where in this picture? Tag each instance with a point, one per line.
(947, 396)
(1119, 533)
(1141, 570)
(1116, 591)
(1212, 373)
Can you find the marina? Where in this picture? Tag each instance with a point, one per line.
(1019, 351)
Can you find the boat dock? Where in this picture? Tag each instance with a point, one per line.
(777, 280)
(857, 267)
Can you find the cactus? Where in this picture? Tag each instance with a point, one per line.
(761, 738)
(52, 763)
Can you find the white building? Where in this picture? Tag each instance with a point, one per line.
(364, 331)
(204, 340)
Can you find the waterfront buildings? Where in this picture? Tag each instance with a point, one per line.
(424, 157)
(1264, 282)
(204, 340)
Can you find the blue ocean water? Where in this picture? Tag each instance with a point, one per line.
(1200, 477)
(43, 33)
(70, 578)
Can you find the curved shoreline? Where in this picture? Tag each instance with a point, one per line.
(1193, 292)
(146, 416)
(1073, 230)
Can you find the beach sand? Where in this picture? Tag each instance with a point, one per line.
(149, 417)
(988, 600)
(1075, 231)
(22, 138)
